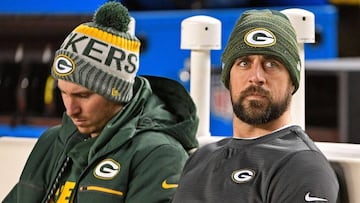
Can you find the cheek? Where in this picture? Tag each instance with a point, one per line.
(103, 109)
(98, 108)
(283, 91)
(234, 93)
(236, 82)
(94, 106)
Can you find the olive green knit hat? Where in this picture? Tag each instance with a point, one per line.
(265, 32)
(101, 55)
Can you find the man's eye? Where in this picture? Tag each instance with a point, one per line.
(243, 63)
(271, 64)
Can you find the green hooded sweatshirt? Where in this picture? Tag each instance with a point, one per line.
(138, 157)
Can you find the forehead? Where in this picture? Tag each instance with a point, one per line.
(70, 86)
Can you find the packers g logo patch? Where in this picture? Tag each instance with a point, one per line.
(63, 65)
(242, 175)
(260, 37)
(107, 169)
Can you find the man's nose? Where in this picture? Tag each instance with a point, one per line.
(257, 73)
(72, 107)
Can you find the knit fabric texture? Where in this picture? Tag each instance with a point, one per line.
(101, 55)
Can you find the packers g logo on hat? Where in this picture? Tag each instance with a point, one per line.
(63, 65)
(260, 37)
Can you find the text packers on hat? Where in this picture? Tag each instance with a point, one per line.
(265, 32)
(101, 55)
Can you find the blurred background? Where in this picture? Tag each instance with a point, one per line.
(31, 31)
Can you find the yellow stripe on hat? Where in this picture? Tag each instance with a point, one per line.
(130, 45)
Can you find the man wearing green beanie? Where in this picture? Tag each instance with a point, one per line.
(123, 138)
(268, 159)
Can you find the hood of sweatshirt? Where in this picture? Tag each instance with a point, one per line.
(158, 105)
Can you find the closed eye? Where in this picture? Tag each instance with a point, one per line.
(83, 95)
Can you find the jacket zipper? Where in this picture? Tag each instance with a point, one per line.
(55, 184)
(101, 189)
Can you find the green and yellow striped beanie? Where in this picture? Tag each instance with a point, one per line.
(101, 55)
(263, 32)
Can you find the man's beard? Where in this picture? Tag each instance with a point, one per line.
(256, 112)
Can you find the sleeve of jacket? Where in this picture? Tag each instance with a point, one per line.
(156, 173)
(306, 177)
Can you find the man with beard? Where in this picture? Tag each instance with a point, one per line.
(268, 159)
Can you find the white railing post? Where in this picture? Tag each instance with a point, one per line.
(200, 34)
(304, 23)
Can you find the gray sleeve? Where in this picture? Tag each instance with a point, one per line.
(306, 177)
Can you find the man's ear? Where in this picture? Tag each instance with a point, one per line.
(292, 88)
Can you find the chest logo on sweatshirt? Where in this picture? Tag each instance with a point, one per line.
(107, 169)
(242, 175)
